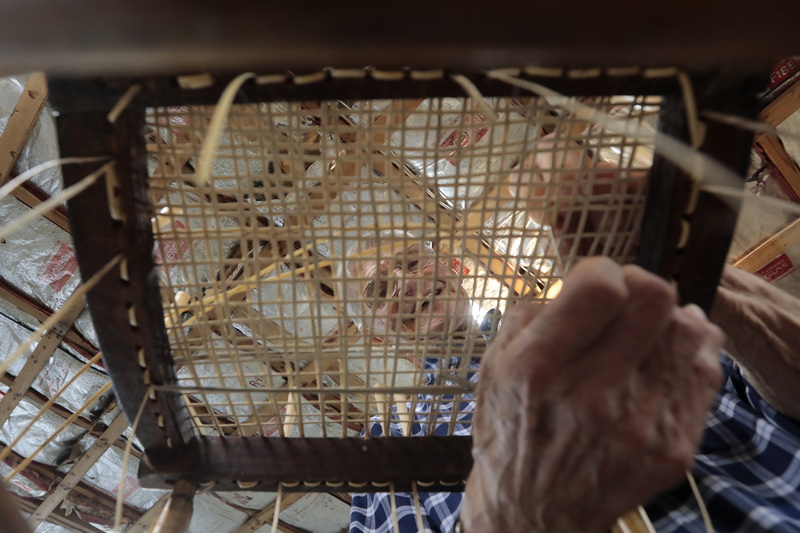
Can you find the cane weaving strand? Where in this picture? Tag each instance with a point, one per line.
(252, 265)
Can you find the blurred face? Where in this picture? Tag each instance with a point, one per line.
(411, 293)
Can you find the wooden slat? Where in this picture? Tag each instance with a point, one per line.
(774, 150)
(21, 122)
(71, 522)
(38, 359)
(142, 525)
(40, 313)
(83, 493)
(774, 114)
(771, 248)
(84, 464)
(283, 527)
(27, 197)
(783, 106)
(94, 428)
(14, 137)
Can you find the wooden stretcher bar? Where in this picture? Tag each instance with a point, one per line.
(184, 36)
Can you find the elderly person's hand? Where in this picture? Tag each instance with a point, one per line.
(590, 405)
(762, 323)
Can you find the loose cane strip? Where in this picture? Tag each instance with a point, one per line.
(55, 201)
(74, 416)
(125, 457)
(49, 403)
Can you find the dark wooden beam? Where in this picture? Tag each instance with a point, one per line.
(182, 35)
(329, 465)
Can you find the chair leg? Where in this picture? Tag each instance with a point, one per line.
(177, 513)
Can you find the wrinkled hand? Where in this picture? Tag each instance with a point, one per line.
(762, 323)
(590, 405)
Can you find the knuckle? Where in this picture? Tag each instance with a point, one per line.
(599, 278)
(639, 436)
(601, 406)
(663, 293)
(490, 356)
(523, 312)
(650, 287)
(716, 336)
(711, 370)
(513, 321)
(679, 457)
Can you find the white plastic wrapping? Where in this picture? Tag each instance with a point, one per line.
(211, 514)
(36, 435)
(15, 328)
(106, 474)
(318, 512)
(177, 249)
(789, 131)
(24, 484)
(47, 527)
(13, 331)
(308, 320)
(39, 259)
(60, 369)
(247, 499)
(207, 375)
(438, 157)
(756, 223)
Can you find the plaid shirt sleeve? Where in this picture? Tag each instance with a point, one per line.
(747, 469)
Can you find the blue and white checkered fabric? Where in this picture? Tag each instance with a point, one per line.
(747, 470)
(439, 510)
